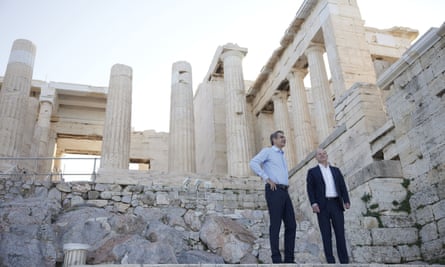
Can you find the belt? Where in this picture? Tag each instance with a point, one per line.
(280, 186)
(283, 186)
(331, 198)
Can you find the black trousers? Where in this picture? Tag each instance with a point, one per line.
(333, 213)
(281, 209)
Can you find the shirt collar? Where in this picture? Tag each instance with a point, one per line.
(322, 166)
(277, 149)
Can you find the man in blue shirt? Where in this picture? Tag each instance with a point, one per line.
(271, 166)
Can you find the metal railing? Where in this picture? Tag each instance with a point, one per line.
(43, 168)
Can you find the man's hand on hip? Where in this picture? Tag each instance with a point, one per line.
(273, 186)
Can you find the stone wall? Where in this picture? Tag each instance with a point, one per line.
(150, 146)
(415, 103)
(389, 143)
(146, 219)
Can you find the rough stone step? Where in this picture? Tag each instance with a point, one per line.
(261, 265)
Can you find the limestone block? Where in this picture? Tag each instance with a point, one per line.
(116, 198)
(162, 198)
(377, 169)
(100, 187)
(126, 199)
(409, 253)
(429, 232)
(424, 215)
(93, 194)
(358, 207)
(441, 227)
(370, 222)
(77, 201)
(366, 254)
(64, 187)
(385, 191)
(423, 198)
(432, 249)
(106, 195)
(193, 219)
(397, 220)
(393, 236)
(359, 237)
(121, 207)
(53, 193)
(439, 210)
(97, 202)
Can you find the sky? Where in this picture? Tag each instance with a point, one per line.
(78, 41)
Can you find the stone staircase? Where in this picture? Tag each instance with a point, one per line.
(259, 265)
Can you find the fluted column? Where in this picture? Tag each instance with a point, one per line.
(237, 130)
(281, 119)
(75, 254)
(300, 114)
(117, 126)
(14, 97)
(181, 149)
(29, 127)
(324, 106)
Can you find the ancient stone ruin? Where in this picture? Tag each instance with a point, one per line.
(380, 114)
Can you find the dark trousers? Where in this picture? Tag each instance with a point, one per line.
(281, 209)
(333, 213)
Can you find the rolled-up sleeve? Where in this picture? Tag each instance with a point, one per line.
(257, 162)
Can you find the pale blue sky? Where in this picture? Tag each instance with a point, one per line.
(79, 40)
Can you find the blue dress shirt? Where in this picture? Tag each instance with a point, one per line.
(270, 163)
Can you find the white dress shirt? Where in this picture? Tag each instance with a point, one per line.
(331, 191)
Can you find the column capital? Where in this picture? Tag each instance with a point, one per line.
(300, 73)
(280, 95)
(233, 50)
(47, 94)
(315, 47)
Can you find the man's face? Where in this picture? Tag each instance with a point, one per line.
(322, 156)
(280, 141)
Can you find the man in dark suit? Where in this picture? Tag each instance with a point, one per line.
(329, 197)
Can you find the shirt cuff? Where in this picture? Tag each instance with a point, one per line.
(315, 204)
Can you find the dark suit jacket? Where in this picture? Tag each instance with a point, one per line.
(316, 187)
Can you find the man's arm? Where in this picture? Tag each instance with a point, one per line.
(257, 162)
(310, 187)
(256, 165)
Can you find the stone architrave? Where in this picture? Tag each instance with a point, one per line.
(281, 119)
(300, 114)
(237, 129)
(117, 126)
(181, 149)
(14, 96)
(324, 106)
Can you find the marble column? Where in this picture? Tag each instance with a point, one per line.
(117, 126)
(300, 114)
(75, 254)
(324, 106)
(14, 96)
(237, 129)
(181, 148)
(282, 122)
(29, 128)
(43, 128)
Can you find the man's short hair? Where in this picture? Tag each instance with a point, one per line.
(275, 135)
